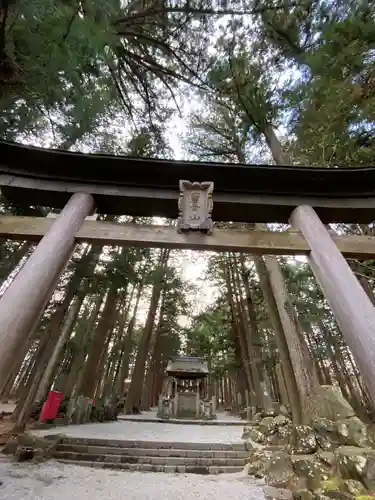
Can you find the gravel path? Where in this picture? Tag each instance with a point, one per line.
(150, 431)
(222, 417)
(7, 407)
(55, 481)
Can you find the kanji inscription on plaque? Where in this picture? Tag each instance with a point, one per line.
(195, 207)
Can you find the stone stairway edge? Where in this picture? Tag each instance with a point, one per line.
(157, 468)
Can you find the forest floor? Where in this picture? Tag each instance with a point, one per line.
(56, 481)
(5, 424)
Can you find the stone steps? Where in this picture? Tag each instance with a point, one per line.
(145, 459)
(157, 468)
(153, 452)
(196, 458)
(161, 445)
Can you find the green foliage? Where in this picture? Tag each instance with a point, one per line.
(69, 69)
(58, 54)
(332, 100)
(148, 144)
(208, 338)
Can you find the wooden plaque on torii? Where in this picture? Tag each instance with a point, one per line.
(195, 206)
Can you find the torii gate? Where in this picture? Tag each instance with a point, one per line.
(81, 184)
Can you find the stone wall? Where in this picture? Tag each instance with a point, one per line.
(332, 458)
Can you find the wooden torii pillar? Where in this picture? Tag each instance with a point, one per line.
(354, 312)
(26, 297)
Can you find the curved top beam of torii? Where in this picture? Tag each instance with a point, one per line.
(150, 187)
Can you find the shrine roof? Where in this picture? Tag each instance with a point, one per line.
(186, 366)
(124, 185)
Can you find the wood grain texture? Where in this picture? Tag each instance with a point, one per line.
(354, 312)
(26, 297)
(161, 173)
(254, 242)
(158, 201)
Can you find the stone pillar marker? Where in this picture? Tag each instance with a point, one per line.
(26, 297)
(354, 312)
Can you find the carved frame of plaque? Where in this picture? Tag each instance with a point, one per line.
(195, 206)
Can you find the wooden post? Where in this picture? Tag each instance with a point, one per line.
(354, 312)
(197, 399)
(25, 299)
(175, 407)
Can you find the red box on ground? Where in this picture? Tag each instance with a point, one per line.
(51, 406)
